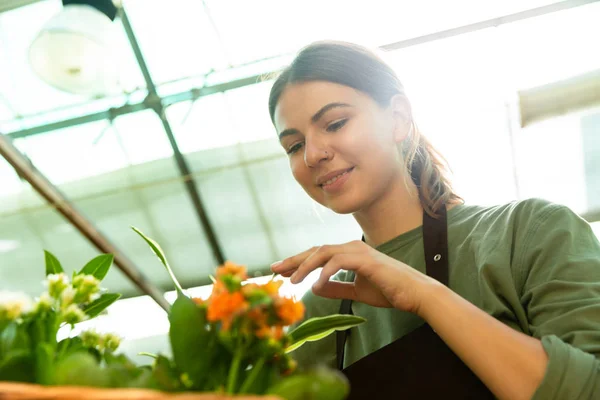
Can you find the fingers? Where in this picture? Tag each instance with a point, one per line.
(290, 264)
(336, 290)
(300, 265)
(312, 262)
(332, 266)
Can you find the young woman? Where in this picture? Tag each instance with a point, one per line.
(461, 301)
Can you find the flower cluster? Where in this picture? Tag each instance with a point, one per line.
(14, 305)
(101, 342)
(68, 297)
(251, 318)
(257, 309)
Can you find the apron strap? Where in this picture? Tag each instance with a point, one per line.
(435, 244)
(342, 336)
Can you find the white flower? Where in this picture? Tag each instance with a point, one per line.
(111, 341)
(90, 338)
(86, 281)
(67, 296)
(73, 314)
(14, 304)
(45, 302)
(56, 283)
(86, 286)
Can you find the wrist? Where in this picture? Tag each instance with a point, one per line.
(433, 295)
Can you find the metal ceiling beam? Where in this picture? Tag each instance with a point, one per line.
(490, 23)
(52, 194)
(196, 93)
(154, 101)
(114, 112)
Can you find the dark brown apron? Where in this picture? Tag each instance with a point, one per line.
(419, 365)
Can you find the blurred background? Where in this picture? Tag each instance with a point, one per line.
(153, 114)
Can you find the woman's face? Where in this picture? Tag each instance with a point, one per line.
(341, 144)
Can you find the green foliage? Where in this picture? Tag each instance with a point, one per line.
(320, 327)
(52, 264)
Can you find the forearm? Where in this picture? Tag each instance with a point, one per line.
(510, 363)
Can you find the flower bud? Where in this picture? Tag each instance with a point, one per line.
(44, 303)
(111, 342)
(90, 338)
(73, 314)
(86, 287)
(14, 304)
(67, 297)
(56, 283)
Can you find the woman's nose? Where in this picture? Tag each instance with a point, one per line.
(314, 153)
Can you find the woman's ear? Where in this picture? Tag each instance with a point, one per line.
(402, 117)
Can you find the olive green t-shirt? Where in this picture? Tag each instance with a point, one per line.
(531, 264)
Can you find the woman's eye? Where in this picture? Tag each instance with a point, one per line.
(337, 125)
(294, 148)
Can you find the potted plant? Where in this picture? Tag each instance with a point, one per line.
(236, 343)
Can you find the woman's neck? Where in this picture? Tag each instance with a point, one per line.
(398, 211)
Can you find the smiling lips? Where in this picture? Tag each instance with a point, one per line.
(328, 181)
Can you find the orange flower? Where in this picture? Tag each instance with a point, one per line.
(198, 301)
(249, 288)
(258, 316)
(288, 310)
(272, 287)
(265, 331)
(224, 306)
(277, 331)
(230, 268)
(218, 288)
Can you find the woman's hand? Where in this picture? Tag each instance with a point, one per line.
(381, 281)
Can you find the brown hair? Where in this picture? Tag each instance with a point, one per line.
(357, 67)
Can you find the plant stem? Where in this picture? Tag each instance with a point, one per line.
(253, 374)
(233, 370)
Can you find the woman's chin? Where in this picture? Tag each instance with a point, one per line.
(342, 206)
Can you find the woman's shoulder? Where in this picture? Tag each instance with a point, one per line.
(526, 213)
(517, 225)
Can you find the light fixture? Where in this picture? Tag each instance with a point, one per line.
(559, 98)
(74, 50)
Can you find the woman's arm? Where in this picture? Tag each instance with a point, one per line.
(557, 274)
(510, 363)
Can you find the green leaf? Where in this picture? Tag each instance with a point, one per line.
(98, 267)
(100, 304)
(192, 344)
(52, 264)
(44, 363)
(151, 355)
(8, 337)
(14, 338)
(81, 369)
(43, 328)
(144, 380)
(17, 366)
(166, 375)
(120, 359)
(163, 259)
(68, 346)
(318, 384)
(320, 327)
